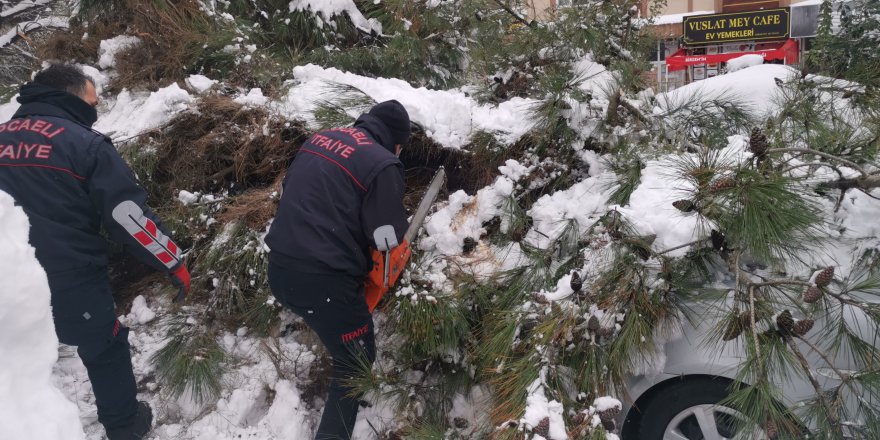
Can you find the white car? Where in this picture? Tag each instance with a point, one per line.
(681, 403)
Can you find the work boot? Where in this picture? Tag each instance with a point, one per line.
(143, 422)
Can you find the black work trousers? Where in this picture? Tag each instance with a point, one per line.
(333, 305)
(85, 316)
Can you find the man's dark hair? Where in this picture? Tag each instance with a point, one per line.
(65, 77)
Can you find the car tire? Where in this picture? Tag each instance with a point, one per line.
(675, 400)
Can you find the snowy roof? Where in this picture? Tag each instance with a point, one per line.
(677, 18)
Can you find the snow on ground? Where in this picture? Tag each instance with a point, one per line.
(133, 113)
(449, 117)
(48, 22)
(31, 405)
(22, 6)
(109, 48)
(200, 83)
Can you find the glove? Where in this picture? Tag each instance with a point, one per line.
(180, 279)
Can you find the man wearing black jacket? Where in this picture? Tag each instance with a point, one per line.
(71, 182)
(343, 184)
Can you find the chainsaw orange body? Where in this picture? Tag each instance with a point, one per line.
(382, 278)
(375, 287)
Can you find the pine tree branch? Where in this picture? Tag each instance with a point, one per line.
(637, 112)
(808, 164)
(513, 13)
(867, 182)
(846, 162)
(845, 378)
(666, 251)
(782, 283)
(754, 325)
(833, 419)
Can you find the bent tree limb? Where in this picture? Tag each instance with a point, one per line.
(867, 183)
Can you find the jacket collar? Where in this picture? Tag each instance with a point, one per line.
(377, 129)
(37, 99)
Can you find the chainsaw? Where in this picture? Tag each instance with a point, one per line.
(390, 257)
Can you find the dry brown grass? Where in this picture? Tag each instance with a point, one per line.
(173, 34)
(255, 207)
(224, 146)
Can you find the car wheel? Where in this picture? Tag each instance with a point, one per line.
(688, 409)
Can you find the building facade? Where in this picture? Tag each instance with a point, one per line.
(696, 38)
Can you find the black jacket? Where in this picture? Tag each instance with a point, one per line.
(71, 181)
(343, 184)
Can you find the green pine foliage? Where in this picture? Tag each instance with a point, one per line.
(192, 363)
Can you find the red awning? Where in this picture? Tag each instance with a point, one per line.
(680, 60)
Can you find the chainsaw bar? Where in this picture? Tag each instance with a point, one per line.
(427, 201)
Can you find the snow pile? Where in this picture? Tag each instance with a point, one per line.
(134, 113)
(109, 48)
(31, 407)
(651, 212)
(449, 117)
(755, 88)
(582, 203)
(327, 9)
(254, 98)
(140, 312)
(200, 83)
(464, 215)
(9, 109)
(744, 61)
(539, 408)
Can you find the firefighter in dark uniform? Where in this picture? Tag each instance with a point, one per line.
(343, 184)
(71, 182)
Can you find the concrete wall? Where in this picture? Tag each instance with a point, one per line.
(541, 9)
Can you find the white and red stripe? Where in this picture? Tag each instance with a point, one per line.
(131, 217)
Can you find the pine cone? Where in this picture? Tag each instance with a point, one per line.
(745, 317)
(609, 414)
(684, 205)
(785, 321)
(580, 418)
(540, 298)
(802, 327)
(722, 184)
(758, 142)
(527, 326)
(812, 295)
(771, 430)
(702, 175)
(469, 245)
(824, 278)
(605, 331)
(543, 428)
(461, 422)
(733, 330)
(609, 425)
(576, 283)
(593, 323)
(718, 241)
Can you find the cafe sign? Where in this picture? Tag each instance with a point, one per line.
(766, 24)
